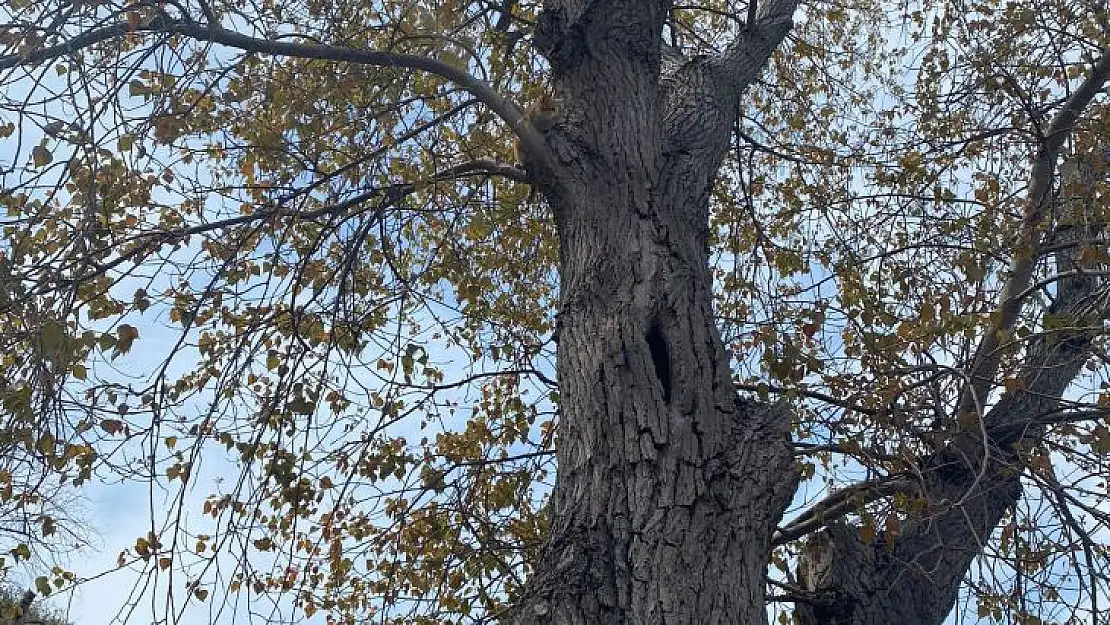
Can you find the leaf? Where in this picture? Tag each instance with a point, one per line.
(867, 533)
(125, 336)
(141, 301)
(106, 341)
(21, 551)
(179, 470)
(302, 406)
(46, 444)
(53, 336)
(41, 156)
(891, 528)
(111, 426)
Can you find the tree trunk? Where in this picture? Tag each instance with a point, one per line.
(669, 485)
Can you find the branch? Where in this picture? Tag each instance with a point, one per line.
(1090, 547)
(393, 194)
(1055, 358)
(744, 59)
(503, 107)
(1057, 277)
(828, 399)
(839, 504)
(1028, 248)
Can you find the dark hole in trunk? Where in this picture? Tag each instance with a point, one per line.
(661, 359)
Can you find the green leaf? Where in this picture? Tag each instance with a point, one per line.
(21, 552)
(53, 336)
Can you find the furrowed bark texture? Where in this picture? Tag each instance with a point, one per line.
(669, 484)
(971, 483)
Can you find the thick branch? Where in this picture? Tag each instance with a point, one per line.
(975, 479)
(701, 99)
(838, 505)
(988, 354)
(746, 57)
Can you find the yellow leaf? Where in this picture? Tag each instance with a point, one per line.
(867, 533)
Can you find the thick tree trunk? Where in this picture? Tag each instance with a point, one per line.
(670, 485)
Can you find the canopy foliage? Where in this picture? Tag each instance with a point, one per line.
(276, 260)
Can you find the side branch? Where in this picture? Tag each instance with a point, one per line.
(801, 392)
(503, 107)
(390, 195)
(838, 505)
(1028, 248)
(702, 95)
(767, 26)
(975, 479)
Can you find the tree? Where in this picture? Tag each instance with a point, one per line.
(902, 239)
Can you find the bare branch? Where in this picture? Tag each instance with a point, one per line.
(823, 397)
(839, 504)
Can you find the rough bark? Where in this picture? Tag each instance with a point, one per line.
(669, 483)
